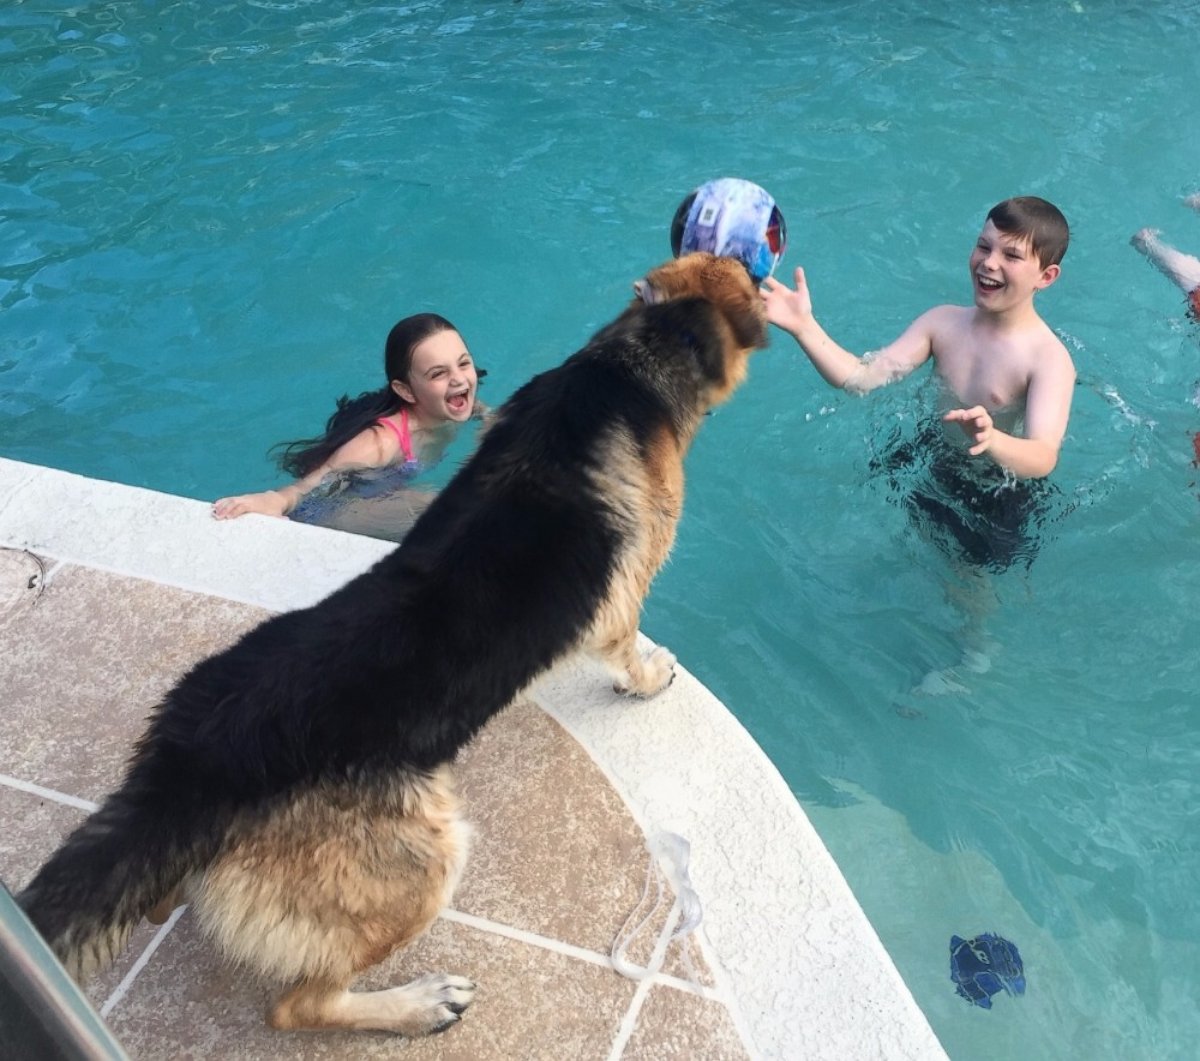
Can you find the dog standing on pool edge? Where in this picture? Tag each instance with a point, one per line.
(296, 788)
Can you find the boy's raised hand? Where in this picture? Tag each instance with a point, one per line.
(786, 308)
(976, 424)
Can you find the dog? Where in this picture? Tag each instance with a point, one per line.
(296, 788)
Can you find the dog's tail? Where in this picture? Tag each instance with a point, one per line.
(125, 859)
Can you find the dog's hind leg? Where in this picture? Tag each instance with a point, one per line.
(161, 913)
(429, 1004)
(329, 884)
(176, 897)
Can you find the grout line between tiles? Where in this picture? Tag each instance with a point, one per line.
(122, 989)
(571, 951)
(470, 920)
(721, 993)
(629, 1022)
(52, 570)
(48, 793)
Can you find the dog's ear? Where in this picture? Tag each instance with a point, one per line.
(748, 317)
(647, 292)
(727, 284)
(723, 282)
(733, 291)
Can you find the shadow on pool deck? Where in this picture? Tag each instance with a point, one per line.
(558, 863)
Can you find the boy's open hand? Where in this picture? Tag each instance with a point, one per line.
(976, 424)
(786, 308)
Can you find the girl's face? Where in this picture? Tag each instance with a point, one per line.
(441, 379)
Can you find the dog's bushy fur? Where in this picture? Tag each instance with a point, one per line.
(296, 787)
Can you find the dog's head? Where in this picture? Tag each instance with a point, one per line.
(723, 282)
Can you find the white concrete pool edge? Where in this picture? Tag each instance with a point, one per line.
(805, 972)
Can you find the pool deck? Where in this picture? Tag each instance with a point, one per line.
(109, 593)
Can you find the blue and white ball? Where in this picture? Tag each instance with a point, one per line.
(732, 218)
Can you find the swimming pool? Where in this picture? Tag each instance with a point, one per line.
(212, 216)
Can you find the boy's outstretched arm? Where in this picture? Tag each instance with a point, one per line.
(792, 311)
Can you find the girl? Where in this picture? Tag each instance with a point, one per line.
(431, 390)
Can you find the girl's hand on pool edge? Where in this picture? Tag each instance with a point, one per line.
(267, 503)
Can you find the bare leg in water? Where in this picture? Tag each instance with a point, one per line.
(971, 593)
(1183, 269)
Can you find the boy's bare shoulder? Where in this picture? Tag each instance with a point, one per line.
(947, 314)
(946, 325)
(1049, 347)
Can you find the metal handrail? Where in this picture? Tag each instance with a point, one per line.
(43, 1014)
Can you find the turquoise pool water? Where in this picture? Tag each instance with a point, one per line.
(212, 214)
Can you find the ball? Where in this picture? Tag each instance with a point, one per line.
(733, 218)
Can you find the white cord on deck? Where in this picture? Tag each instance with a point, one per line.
(669, 854)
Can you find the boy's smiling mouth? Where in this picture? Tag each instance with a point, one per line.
(988, 283)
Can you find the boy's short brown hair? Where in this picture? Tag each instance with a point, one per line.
(1036, 220)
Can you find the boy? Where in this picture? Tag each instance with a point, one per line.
(1010, 377)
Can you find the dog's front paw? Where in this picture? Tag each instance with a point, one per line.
(654, 673)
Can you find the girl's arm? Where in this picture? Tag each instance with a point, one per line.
(371, 448)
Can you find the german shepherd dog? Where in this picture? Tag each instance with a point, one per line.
(296, 788)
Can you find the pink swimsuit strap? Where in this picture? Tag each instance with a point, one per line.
(401, 433)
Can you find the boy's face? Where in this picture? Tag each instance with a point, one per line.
(1005, 271)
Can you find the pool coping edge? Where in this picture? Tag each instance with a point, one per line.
(793, 951)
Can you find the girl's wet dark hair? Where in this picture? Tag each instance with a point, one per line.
(356, 414)
(1036, 220)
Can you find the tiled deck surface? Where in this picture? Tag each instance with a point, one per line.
(558, 864)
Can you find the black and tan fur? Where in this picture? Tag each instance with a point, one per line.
(296, 788)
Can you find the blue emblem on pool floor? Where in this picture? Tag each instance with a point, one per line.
(984, 966)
